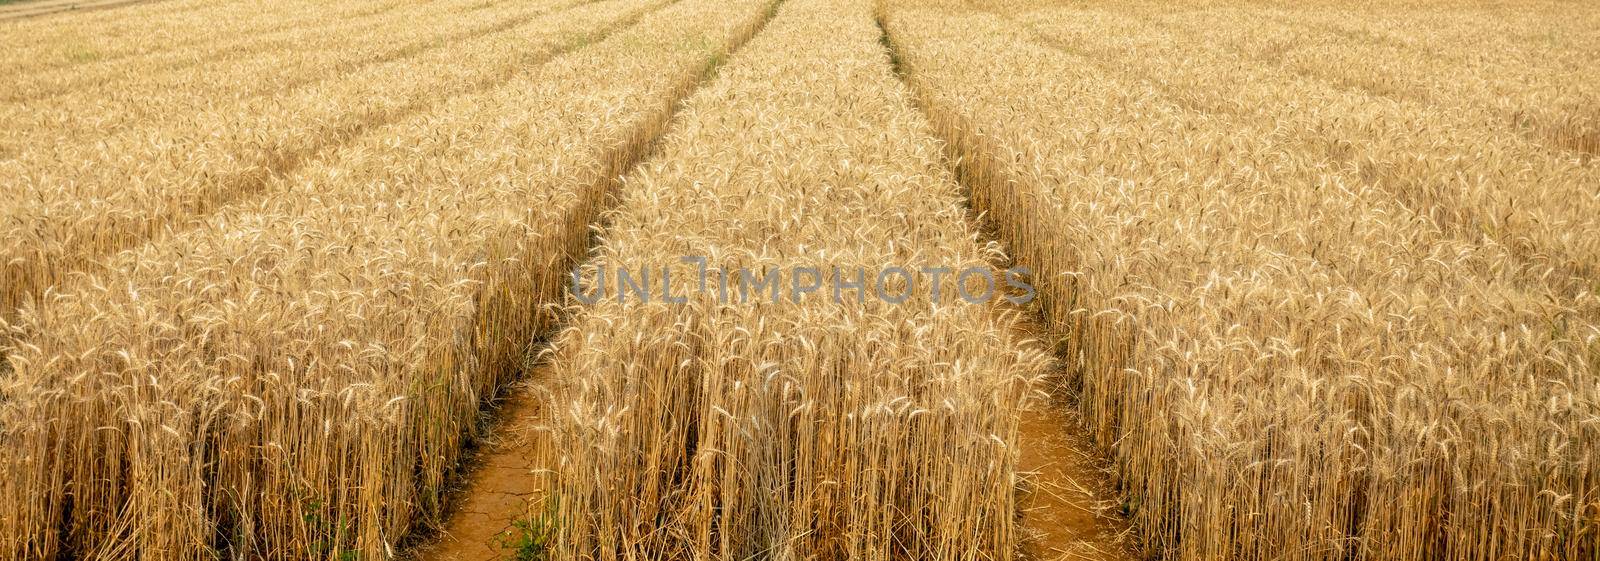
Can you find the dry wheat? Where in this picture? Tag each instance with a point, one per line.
(295, 377)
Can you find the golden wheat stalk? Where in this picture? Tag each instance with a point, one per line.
(1287, 361)
(76, 203)
(296, 377)
(848, 429)
(106, 84)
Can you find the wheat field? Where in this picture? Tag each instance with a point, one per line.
(795, 279)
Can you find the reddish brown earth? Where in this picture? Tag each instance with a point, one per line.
(501, 482)
(1065, 503)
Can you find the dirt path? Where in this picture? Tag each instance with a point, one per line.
(1063, 501)
(502, 482)
(34, 8)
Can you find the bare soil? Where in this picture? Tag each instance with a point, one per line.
(502, 483)
(1066, 503)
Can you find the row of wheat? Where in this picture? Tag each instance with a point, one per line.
(833, 424)
(76, 201)
(294, 378)
(1291, 350)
